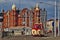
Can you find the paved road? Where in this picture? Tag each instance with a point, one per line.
(29, 38)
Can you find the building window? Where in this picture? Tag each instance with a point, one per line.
(23, 19)
(38, 15)
(39, 20)
(23, 23)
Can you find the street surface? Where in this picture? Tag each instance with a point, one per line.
(29, 38)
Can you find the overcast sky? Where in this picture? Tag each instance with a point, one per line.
(6, 5)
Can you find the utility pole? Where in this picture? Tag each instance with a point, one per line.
(58, 21)
(55, 21)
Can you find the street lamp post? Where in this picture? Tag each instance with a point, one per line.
(58, 21)
(55, 21)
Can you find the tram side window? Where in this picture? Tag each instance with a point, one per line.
(38, 26)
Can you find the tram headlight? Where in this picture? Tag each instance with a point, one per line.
(34, 32)
(38, 32)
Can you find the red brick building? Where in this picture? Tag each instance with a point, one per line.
(21, 18)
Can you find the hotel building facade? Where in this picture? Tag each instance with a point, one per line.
(16, 18)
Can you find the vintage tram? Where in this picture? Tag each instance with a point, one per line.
(38, 29)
